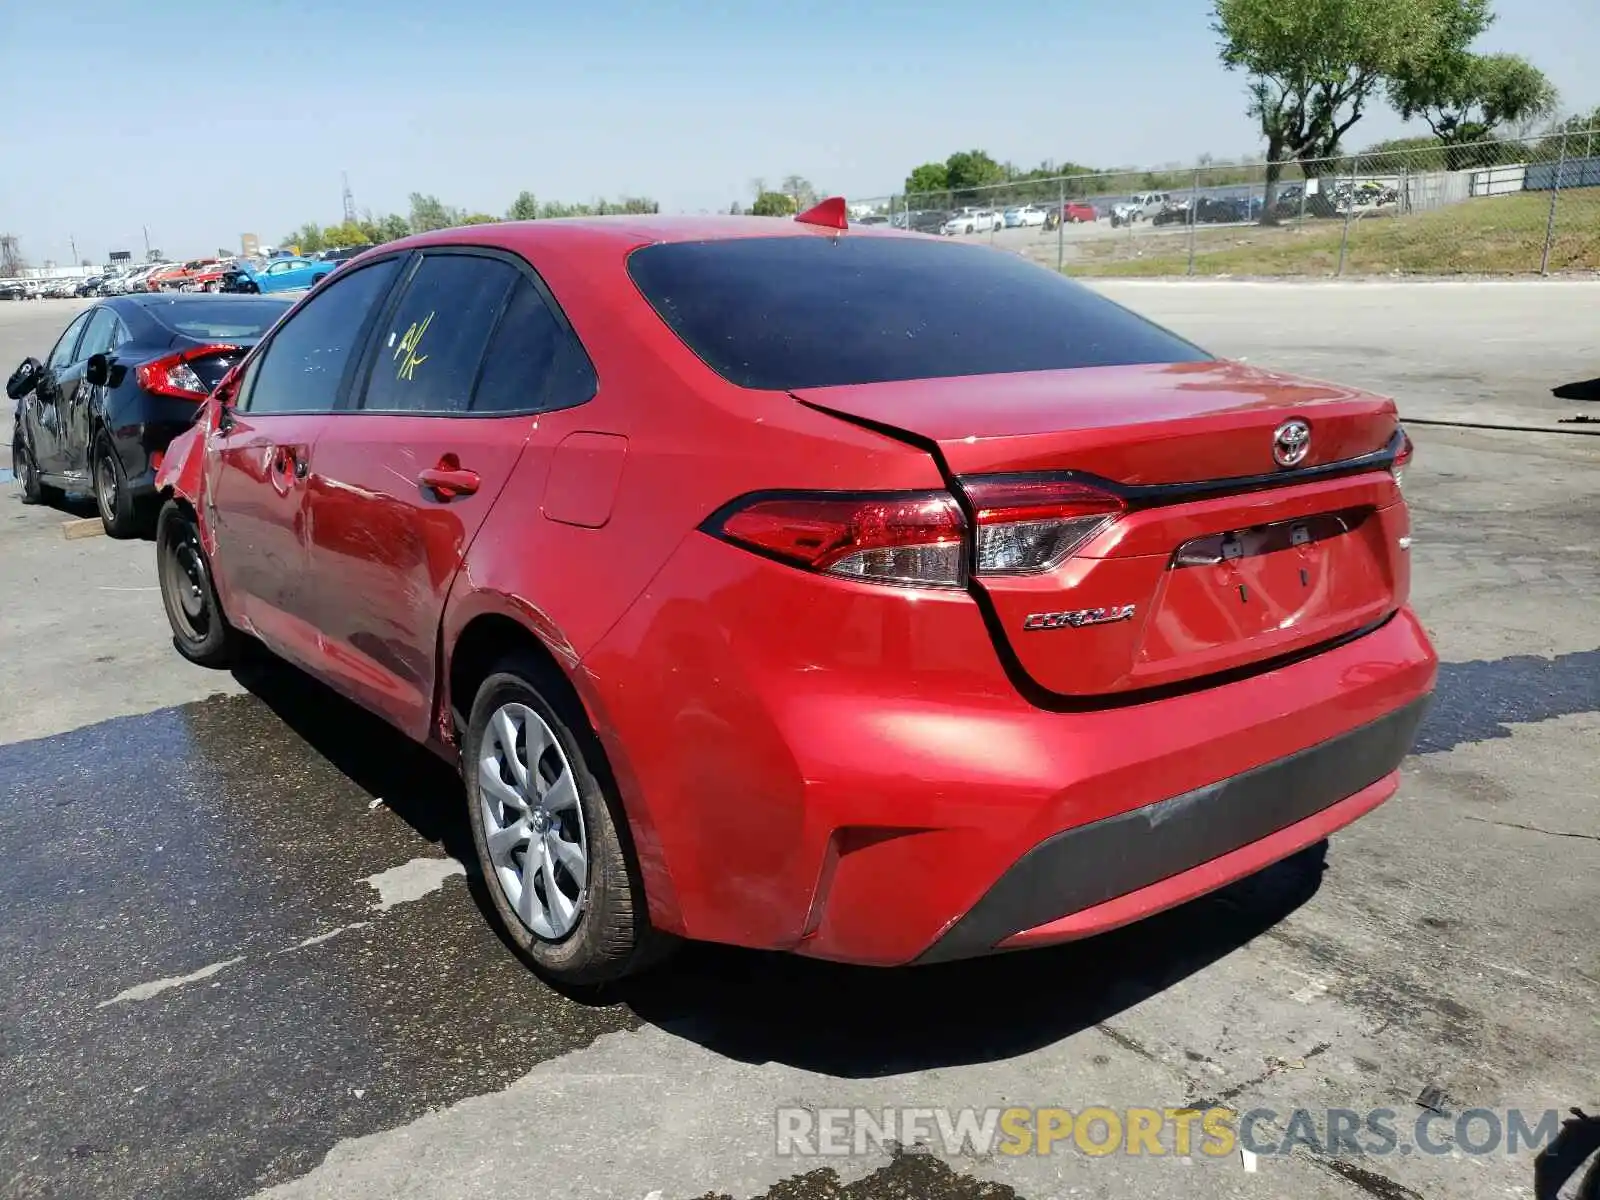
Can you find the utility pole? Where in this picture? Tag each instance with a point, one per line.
(146, 229)
(349, 200)
(72, 240)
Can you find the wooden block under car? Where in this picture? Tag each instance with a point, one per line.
(82, 528)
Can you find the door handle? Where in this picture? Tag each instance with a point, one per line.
(448, 483)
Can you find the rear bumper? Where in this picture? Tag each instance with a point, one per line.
(818, 766)
(1109, 872)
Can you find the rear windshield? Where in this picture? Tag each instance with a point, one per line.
(803, 312)
(220, 318)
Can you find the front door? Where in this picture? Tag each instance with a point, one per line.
(259, 459)
(56, 381)
(459, 369)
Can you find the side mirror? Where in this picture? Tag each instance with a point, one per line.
(97, 371)
(23, 378)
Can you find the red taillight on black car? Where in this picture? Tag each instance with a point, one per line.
(187, 374)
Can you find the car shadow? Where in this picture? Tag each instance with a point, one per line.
(1588, 389)
(865, 1022)
(848, 1021)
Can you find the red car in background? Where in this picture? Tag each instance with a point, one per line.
(207, 277)
(179, 277)
(1079, 212)
(749, 617)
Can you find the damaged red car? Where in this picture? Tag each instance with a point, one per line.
(842, 591)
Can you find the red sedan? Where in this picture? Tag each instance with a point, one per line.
(1079, 212)
(855, 593)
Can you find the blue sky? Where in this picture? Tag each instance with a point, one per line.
(202, 120)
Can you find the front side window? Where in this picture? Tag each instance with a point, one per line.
(302, 368)
(61, 356)
(429, 352)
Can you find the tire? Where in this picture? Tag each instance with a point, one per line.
(200, 629)
(25, 468)
(598, 930)
(22, 468)
(119, 512)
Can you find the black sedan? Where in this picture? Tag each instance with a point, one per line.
(125, 378)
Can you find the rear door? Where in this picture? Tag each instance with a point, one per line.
(259, 459)
(463, 361)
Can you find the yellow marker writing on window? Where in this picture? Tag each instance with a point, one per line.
(408, 347)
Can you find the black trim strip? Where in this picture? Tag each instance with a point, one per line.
(1082, 867)
(1151, 495)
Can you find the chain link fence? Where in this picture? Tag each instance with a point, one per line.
(1505, 207)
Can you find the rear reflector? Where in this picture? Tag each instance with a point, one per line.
(1030, 524)
(913, 539)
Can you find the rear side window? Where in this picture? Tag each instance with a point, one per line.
(534, 364)
(804, 312)
(429, 351)
(303, 366)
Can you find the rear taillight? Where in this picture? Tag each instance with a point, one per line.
(912, 539)
(171, 375)
(1027, 525)
(1402, 459)
(1024, 525)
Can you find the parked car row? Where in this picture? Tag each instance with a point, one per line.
(279, 273)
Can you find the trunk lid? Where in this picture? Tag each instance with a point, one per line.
(1221, 557)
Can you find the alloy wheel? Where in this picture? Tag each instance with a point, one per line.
(533, 822)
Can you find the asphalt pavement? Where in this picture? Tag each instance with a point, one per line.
(239, 953)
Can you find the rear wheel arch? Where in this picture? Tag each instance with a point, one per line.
(487, 640)
(492, 642)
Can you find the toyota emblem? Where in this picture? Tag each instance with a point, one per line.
(1291, 443)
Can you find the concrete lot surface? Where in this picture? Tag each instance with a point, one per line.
(238, 952)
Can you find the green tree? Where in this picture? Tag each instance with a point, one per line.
(967, 170)
(524, 208)
(799, 189)
(1423, 153)
(308, 237)
(928, 178)
(391, 227)
(1313, 65)
(347, 234)
(1465, 97)
(773, 204)
(428, 213)
(477, 219)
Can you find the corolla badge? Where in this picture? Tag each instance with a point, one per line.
(1291, 442)
(1078, 618)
